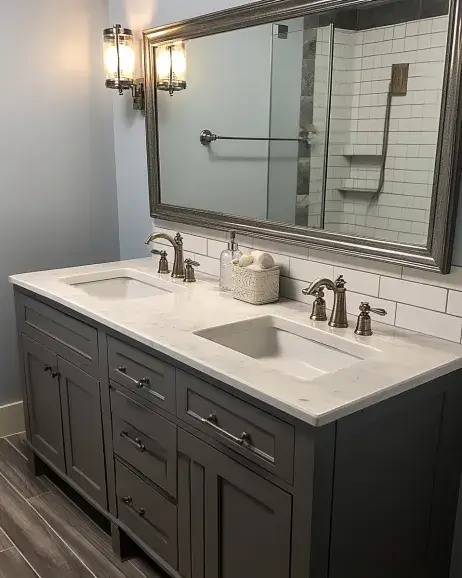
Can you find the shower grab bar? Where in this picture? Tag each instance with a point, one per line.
(206, 137)
(397, 87)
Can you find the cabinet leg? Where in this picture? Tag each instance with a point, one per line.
(122, 546)
(35, 464)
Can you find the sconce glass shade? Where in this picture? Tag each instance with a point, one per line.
(171, 67)
(119, 57)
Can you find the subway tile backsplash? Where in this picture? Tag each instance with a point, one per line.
(418, 300)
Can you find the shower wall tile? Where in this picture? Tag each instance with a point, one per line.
(359, 92)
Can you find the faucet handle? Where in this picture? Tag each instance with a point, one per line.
(319, 306)
(163, 263)
(363, 325)
(189, 274)
(340, 282)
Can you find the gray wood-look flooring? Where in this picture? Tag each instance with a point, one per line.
(43, 533)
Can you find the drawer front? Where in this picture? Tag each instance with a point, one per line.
(150, 516)
(145, 440)
(260, 437)
(68, 337)
(151, 378)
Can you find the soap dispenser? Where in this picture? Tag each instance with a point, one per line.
(226, 267)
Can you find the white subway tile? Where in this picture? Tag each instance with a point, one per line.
(208, 265)
(306, 270)
(351, 262)
(359, 281)
(215, 248)
(428, 322)
(417, 294)
(451, 281)
(292, 289)
(454, 303)
(195, 244)
(354, 300)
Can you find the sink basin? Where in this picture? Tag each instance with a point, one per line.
(289, 347)
(122, 284)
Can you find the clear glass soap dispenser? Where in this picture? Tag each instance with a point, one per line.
(226, 267)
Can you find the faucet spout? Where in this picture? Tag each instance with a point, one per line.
(155, 236)
(317, 284)
(178, 271)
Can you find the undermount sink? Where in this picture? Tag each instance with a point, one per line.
(122, 284)
(289, 347)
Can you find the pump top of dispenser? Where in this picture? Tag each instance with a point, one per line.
(232, 245)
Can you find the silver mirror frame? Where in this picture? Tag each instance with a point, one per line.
(436, 256)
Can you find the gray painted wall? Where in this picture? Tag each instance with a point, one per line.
(286, 87)
(134, 220)
(57, 150)
(130, 137)
(228, 93)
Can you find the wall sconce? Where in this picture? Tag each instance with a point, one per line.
(171, 67)
(119, 63)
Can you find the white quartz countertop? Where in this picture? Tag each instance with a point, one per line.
(400, 359)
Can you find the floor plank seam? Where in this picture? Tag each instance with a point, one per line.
(52, 487)
(46, 523)
(87, 517)
(14, 447)
(62, 540)
(25, 560)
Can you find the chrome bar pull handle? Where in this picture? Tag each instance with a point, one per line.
(211, 420)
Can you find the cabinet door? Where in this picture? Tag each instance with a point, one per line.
(232, 523)
(44, 401)
(83, 430)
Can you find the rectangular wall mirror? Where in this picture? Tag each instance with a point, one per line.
(331, 124)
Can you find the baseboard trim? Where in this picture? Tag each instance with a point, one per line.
(11, 418)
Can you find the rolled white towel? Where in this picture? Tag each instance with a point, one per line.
(262, 259)
(246, 260)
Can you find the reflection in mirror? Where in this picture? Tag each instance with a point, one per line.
(324, 121)
(387, 79)
(246, 84)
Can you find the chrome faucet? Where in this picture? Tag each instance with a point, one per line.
(177, 243)
(338, 317)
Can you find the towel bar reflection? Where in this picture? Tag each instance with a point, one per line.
(207, 137)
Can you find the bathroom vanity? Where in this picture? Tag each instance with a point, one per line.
(233, 441)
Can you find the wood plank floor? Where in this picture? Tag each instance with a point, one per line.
(44, 534)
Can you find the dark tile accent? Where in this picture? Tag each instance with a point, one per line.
(49, 556)
(14, 468)
(307, 81)
(309, 49)
(385, 14)
(85, 538)
(306, 109)
(432, 8)
(13, 565)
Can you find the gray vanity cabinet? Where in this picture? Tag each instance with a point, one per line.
(44, 401)
(231, 522)
(83, 432)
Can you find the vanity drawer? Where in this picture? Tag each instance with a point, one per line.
(150, 516)
(145, 440)
(260, 437)
(150, 377)
(70, 338)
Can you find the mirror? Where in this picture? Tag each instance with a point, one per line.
(332, 128)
